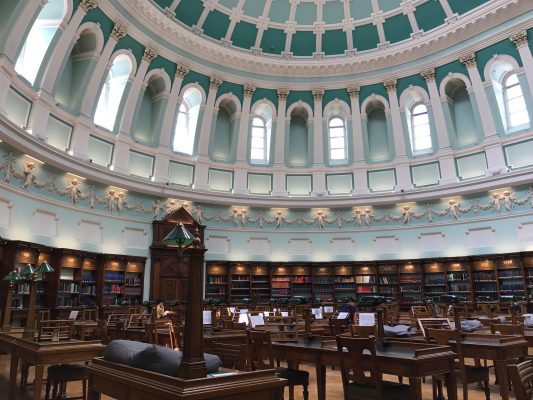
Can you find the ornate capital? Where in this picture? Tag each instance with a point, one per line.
(318, 94)
(353, 91)
(249, 90)
(429, 75)
(469, 61)
(283, 94)
(88, 5)
(181, 71)
(519, 39)
(119, 31)
(214, 82)
(390, 85)
(149, 54)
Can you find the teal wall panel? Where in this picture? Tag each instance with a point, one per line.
(244, 35)
(334, 42)
(365, 37)
(127, 42)
(189, 11)
(303, 43)
(305, 95)
(273, 41)
(397, 28)
(229, 87)
(216, 25)
(429, 15)
(461, 6)
(196, 77)
(269, 94)
(98, 16)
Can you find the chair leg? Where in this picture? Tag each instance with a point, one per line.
(487, 388)
(48, 385)
(291, 392)
(24, 372)
(306, 393)
(84, 388)
(54, 390)
(465, 391)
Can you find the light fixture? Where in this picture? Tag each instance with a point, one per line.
(44, 268)
(179, 237)
(27, 271)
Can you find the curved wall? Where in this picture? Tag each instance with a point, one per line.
(468, 194)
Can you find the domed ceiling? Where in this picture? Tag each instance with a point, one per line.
(312, 28)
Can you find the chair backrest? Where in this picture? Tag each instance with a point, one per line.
(112, 319)
(286, 330)
(163, 332)
(352, 369)
(260, 350)
(415, 309)
(57, 329)
(42, 315)
(436, 323)
(90, 314)
(363, 330)
(508, 329)
(138, 320)
(443, 338)
(234, 356)
(521, 376)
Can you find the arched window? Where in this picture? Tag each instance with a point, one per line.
(419, 128)
(39, 39)
(258, 151)
(337, 139)
(515, 106)
(187, 121)
(112, 91)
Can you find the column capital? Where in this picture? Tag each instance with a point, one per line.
(353, 91)
(390, 85)
(318, 94)
(119, 31)
(87, 5)
(181, 71)
(519, 39)
(149, 54)
(249, 90)
(469, 61)
(283, 94)
(215, 82)
(428, 75)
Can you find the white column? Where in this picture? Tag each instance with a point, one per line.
(279, 155)
(100, 70)
(65, 42)
(39, 114)
(495, 159)
(242, 141)
(170, 111)
(279, 182)
(319, 183)
(201, 175)
(205, 131)
(436, 106)
(357, 133)
(399, 141)
(403, 178)
(360, 179)
(318, 137)
(135, 91)
(520, 41)
(240, 180)
(489, 128)
(162, 161)
(20, 28)
(447, 170)
(80, 137)
(7, 74)
(121, 154)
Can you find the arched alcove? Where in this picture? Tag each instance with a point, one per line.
(226, 130)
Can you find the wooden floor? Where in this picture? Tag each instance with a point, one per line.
(334, 386)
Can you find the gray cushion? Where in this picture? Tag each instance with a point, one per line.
(151, 357)
(397, 330)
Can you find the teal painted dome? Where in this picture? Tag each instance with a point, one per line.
(312, 28)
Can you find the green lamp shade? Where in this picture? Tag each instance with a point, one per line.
(27, 270)
(13, 276)
(44, 268)
(178, 237)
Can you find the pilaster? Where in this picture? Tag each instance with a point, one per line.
(207, 122)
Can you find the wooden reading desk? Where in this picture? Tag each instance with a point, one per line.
(40, 354)
(413, 360)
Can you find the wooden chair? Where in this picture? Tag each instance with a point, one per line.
(234, 356)
(464, 373)
(356, 383)
(287, 330)
(162, 332)
(435, 323)
(260, 350)
(137, 320)
(56, 330)
(363, 331)
(521, 376)
(90, 314)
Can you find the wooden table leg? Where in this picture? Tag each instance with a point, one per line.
(13, 371)
(321, 381)
(451, 385)
(500, 367)
(415, 388)
(38, 382)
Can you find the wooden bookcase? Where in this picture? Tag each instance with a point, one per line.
(69, 269)
(484, 280)
(260, 283)
(216, 281)
(89, 276)
(281, 282)
(458, 276)
(366, 280)
(239, 283)
(302, 281)
(434, 279)
(134, 280)
(510, 276)
(323, 285)
(410, 283)
(527, 263)
(388, 280)
(114, 285)
(344, 282)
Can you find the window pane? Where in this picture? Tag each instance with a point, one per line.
(422, 131)
(517, 104)
(519, 118)
(511, 80)
(257, 154)
(421, 119)
(419, 109)
(258, 132)
(337, 154)
(422, 143)
(257, 143)
(335, 122)
(337, 143)
(336, 132)
(258, 122)
(514, 91)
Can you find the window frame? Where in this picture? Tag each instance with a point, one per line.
(505, 92)
(344, 148)
(413, 128)
(264, 160)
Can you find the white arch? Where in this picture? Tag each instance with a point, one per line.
(94, 28)
(300, 104)
(129, 54)
(229, 96)
(337, 106)
(262, 102)
(500, 58)
(158, 73)
(194, 85)
(449, 77)
(374, 98)
(414, 94)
